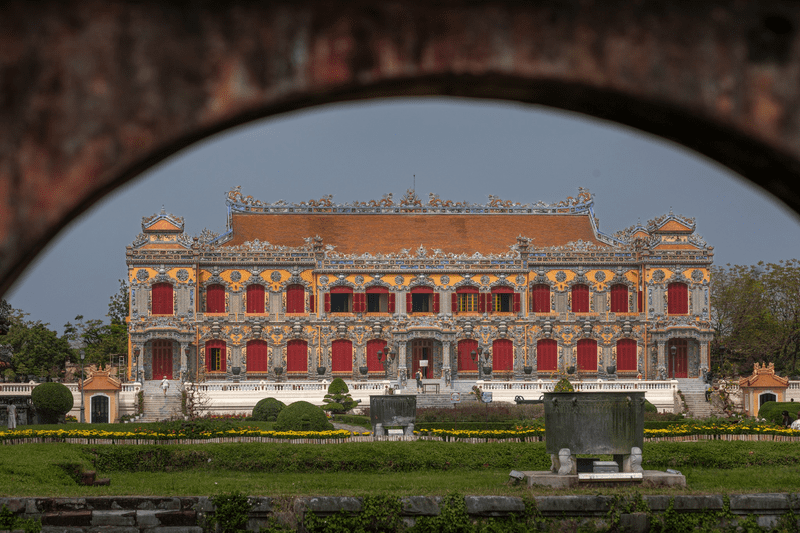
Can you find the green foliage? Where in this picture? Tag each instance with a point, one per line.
(773, 411)
(378, 513)
(268, 409)
(563, 385)
(338, 399)
(231, 512)
(473, 412)
(354, 420)
(302, 416)
(52, 400)
(36, 349)
(649, 407)
(9, 521)
(452, 518)
(756, 317)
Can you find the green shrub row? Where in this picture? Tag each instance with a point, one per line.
(420, 456)
(773, 411)
(476, 412)
(468, 426)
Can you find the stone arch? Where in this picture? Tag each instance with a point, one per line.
(72, 135)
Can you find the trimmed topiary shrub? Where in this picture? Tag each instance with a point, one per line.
(302, 416)
(267, 410)
(338, 399)
(649, 407)
(773, 411)
(563, 385)
(52, 401)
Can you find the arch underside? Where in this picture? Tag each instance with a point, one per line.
(93, 94)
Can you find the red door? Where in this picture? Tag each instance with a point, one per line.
(162, 359)
(679, 360)
(422, 350)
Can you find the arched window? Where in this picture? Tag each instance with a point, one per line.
(378, 300)
(677, 299)
(342, 356)
(580, 298)
(540, 298)
(465, 362)
(162, 298)
(295, 299)
(257, 356)
(296, 357)
(255, 298)
(546, 355)
(373, 346)
(216, 355)
(339, 300)
(587, 355)
(215, 299)
(502, 355)
(465, 300)
(619, 298)
(626, 355)
(504, 300)
(422, 300)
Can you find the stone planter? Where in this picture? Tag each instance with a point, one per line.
(236, 370)
(278, 370)
(487, 370)
(570, 370)
(321, 370)
(363, 370)
(611, 369)
(527, 369)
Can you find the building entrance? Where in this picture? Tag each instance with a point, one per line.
(162, 359)
(422, 358)
(678, 357)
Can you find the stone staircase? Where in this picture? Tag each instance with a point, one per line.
(157, 405)
(434, 400)
(694, 393)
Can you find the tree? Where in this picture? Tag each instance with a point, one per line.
(338, 399)
(37, 350)
(102, 342)
(755, 312)
(52, 401)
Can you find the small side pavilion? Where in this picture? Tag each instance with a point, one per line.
(762, 386)
(101, 403)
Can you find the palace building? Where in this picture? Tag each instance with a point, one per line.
(382, 289)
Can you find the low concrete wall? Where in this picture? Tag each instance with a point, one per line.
(185, 514)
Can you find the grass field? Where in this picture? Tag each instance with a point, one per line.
(358, 469)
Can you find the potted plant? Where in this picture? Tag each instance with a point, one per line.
(570, 370)
(278, 370)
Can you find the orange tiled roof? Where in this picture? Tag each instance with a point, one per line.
(389, 233)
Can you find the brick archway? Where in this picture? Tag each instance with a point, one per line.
(92, 93)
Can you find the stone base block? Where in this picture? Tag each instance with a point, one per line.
(650, 478)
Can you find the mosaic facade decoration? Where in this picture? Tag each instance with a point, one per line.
(385, 288)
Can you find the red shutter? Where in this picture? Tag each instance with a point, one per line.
(626, 355)
(342, 356)
(580, 299)
(454, 303)
(409, 304)
(215, 299)
(639, 300)
(502, 355)
(211, 345)
(295, 299)
(297, 356)
(255, 298)
(546, 355)
(465, 362)
(391, 302)
(516, 302)
(482, 302)
(257, 356)
(587, 355)
(435, 302)
(677, 299)
(541, 299)
(161, 299)
(373, 364)
(327, 302)
(362, 302)
(311, 307)
(619, 298)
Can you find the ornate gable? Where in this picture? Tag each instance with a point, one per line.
(162, 231)
(764, 377)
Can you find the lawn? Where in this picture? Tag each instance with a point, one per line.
(358, 469)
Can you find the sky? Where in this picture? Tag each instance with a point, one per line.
(459, 149)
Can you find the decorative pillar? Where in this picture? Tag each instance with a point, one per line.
(662, 360)
(704, 362)
(401, 362)
(184, 366)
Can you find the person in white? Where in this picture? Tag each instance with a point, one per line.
(796, 424)
(165, 385)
